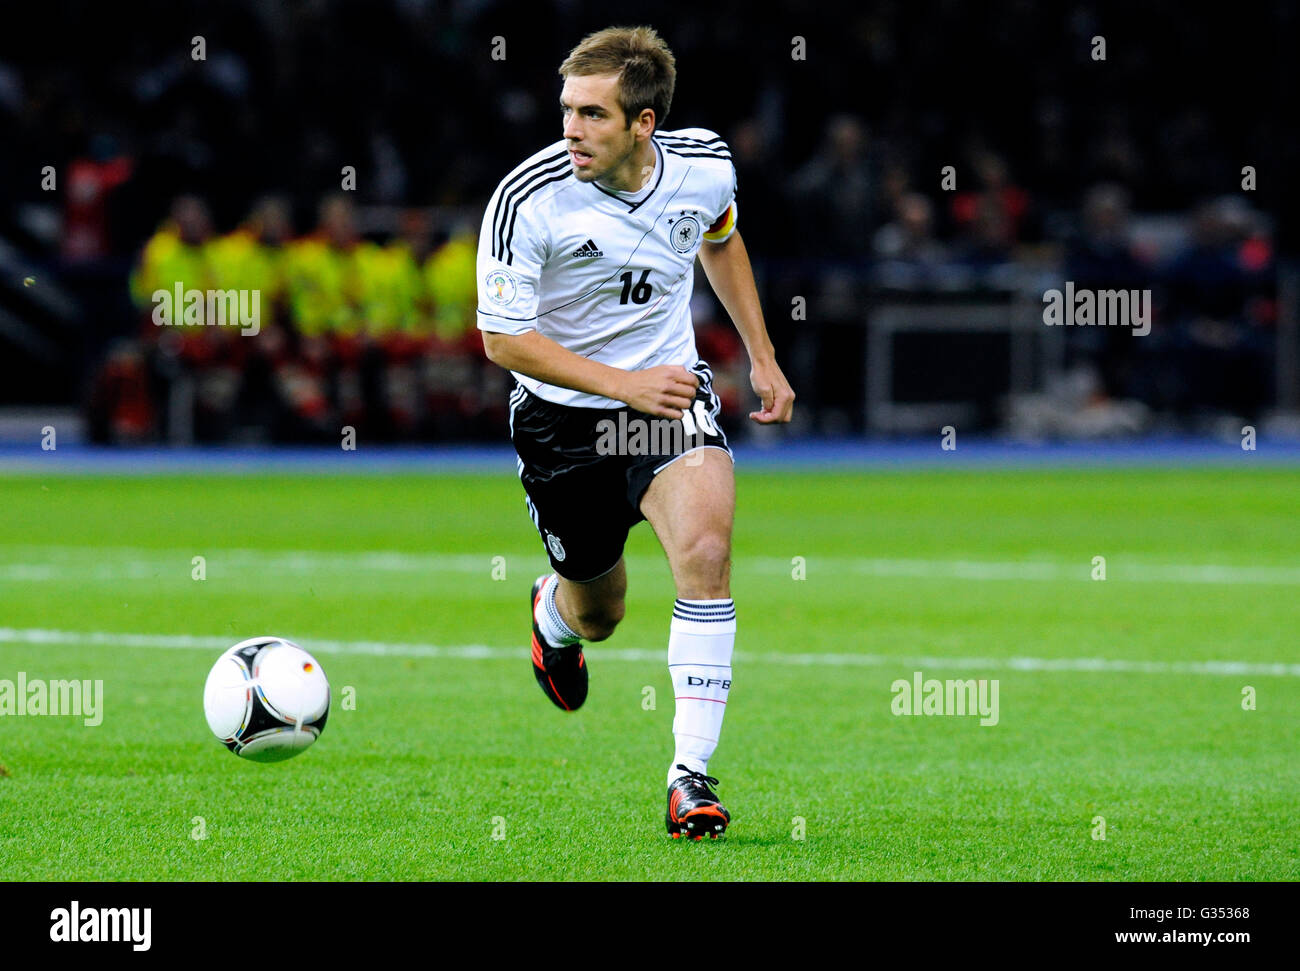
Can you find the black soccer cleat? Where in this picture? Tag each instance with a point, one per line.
(561, 671)
(693, 808)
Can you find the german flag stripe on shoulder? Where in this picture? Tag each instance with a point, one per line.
(723, 226)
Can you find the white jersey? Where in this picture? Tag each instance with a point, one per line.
(606, 275)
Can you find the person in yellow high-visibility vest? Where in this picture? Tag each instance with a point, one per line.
(177, 258)
(275, 389)
(251, 260)
(324, 276)
(454, 367)
(178, 262)
(449, 278)
(253, 257)
(390, 288)
(398, 316)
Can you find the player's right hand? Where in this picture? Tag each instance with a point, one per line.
(664, 391)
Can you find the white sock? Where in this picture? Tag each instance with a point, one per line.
(547, 615)
(700, 642)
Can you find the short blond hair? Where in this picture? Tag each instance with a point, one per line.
(646, 68)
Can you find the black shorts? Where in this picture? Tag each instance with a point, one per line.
(585, 470)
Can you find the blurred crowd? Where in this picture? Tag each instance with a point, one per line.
(350, 331)
(1212, 276)
(927, 147)
(375, 333)
(1211, 350)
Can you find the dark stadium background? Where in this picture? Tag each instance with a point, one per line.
(1117, 173)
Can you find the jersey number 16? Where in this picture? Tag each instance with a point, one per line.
(640, 293)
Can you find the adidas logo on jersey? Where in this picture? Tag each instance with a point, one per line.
(587, 250)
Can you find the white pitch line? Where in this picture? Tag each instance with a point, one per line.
(39, 564)
(37, 636)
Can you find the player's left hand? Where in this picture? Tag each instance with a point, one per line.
(773, 391)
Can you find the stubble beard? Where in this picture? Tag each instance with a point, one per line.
(588, 176)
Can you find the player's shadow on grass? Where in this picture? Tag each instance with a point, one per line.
(742, 839)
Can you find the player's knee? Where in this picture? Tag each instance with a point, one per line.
(706, 564)
(597, 623)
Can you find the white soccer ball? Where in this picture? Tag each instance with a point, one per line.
(266, 699)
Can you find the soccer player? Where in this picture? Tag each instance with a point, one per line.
(586, 263)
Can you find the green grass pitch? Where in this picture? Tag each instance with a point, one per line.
(1119, 698)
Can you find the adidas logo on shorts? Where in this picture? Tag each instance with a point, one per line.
(587, 250)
